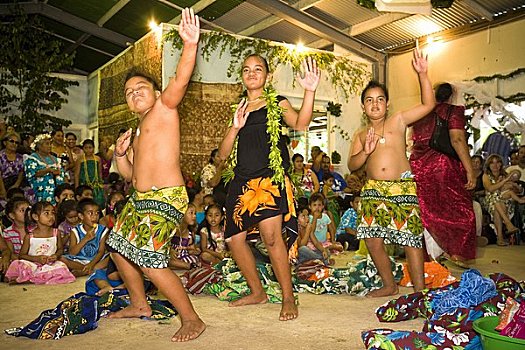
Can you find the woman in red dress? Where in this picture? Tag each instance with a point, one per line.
(443, 182)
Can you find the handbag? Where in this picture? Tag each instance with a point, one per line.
(440, 140)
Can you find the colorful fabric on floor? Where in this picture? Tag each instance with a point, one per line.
(80, 313)
(390, 210)
(451, 330)
(147, 224)
(435, 276)
(313, 276)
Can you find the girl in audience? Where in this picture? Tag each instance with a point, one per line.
(196, 197)
(501, 210)
(183, 253)
(68, 218)
(324, 229)
(306, 236)
(40, 251)
(109, 218)
(305, 180)
(88, 171)
(212, 243)
(14, 235)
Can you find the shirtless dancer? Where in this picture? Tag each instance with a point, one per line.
(140, 239)
(389, 206)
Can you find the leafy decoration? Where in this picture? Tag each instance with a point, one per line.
(334, 108)
(344, 74)
(484, 79)
(344, 134)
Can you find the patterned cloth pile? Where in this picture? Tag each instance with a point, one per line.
(80, 313)
(227, 283)
(449, 313)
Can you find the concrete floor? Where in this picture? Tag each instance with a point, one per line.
(325, 321)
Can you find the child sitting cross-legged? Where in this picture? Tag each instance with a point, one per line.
(68, 218)
(40, 251)
(212, 243)
(183, 253)
(87, 240)
(14, 235)
(324, 228)
(306, 235)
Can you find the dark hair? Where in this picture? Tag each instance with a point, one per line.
(71, 134)
(295, 156)
(88, 142)
(443, 92)
(119, 206)
(264, 61)
(113, 178)
(136, 73)
(205, 224)
(65, 208)
(35, 209)
(14, 203)
(55, 131)
(372, 85)
(193, 191)
(81, 206)
(316, 197)
(478, 156)
(81, 188)
(212, 155)
(109, 208)
(15, 192)
(62, 187)
(25, 136)
(327, 176)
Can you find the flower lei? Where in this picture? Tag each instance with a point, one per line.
(273, 128)
(39, 139)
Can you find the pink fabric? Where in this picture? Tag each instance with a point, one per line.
(28, 271)
(446, 206)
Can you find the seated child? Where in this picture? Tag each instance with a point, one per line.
(104, 279)
(87, 240)
(304, 253)
(109, 215)
(511, 189)
(14, 235)
(83, 191)
(40, 253)
(324, 229)
(213, 245)
(68, 218)
(346, 233)
(64, 192)
(183, 253)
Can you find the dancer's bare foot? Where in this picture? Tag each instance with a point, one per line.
(190, 329)
(383, 292)
(289, 311)
(132, 312)
(250, 300)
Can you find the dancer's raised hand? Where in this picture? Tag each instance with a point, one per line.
(240, 116)
(189, 28)
(311, 74)
(420, 61)
(370, 141)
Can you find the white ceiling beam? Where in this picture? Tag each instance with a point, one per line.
(315, 26)
(480, 10)
(272, 20)
(202, 20)
(198, 7)
(375, 22)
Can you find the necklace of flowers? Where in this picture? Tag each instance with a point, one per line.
(95, 183)
(273, 128)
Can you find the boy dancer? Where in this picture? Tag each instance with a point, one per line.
(389, 206)
(141, 237)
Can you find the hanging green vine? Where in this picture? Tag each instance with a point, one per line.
(274, 129)
(484, 79)
(334, 108)
(344, 134)
(345, 75)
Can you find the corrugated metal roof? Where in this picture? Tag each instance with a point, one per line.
(497, 6)
(288, 33)
(241, 17)
(347, 11)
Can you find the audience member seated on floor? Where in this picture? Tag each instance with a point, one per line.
(339, 186)
(501, 210)
(196, 197)
(346, 232)
(109, 217)
(67, 216)
(15, 234)
(183, 253)
(306, 236)
(87, 240)
(324, 228)
(104, 279)
(213, 245)
(331, 198)
(5, 254)
(305, 181)
(82, 192)
(64, 192)
(40, 253)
